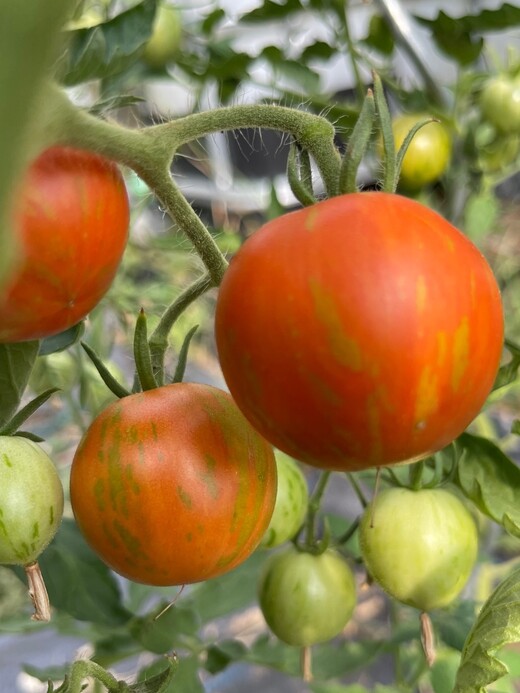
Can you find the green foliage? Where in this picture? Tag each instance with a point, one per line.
(491, 480)
(107, 49)
(497, 625)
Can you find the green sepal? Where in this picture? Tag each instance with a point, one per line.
(10, 428)
(142, 354)
(384, 120)
(183, 356)
(107, 377)
(357, 145)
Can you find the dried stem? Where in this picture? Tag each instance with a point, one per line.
(38, 592)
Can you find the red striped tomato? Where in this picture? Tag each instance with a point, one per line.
(364, 330)
(173, 485)
(71, 218)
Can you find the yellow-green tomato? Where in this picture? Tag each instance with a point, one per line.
(31, 500)
(428, 154)
(306, 598)
(419, 546)
(292, 497)
(500, 103)
(165, 40)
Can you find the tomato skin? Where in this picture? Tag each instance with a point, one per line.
(31, 500)
(307, 599)
(172, 485)
(72, 217)
(500, 103)
(364, 330)
(422, 546)
(292, 497)
(428, 154)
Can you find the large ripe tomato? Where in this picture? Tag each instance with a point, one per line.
(292, 498)
(173, 485)
(428, 154)
(420, 546)
(361, 331)
(307, 599)
(31, 500)
(500, 103)
(72, 217)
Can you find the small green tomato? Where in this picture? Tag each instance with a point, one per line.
(31, 500)
(306, 598)
(292, 497)
(419, 546)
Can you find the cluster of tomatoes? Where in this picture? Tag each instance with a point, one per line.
(362, 331)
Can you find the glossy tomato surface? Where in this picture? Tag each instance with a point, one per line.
(307, 599)
(364, 330)
(420, 546)
(31, 500)
(71, 216)
(173, 485)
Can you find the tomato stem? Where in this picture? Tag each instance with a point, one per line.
(416, 475)
(149, 151)
(357, 489)
(428, 639)
(38, 592)
(306, 663)
(314, 507)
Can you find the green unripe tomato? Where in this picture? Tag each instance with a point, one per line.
(31, 500)
(166, 36)
(292, 497)
(500, 103)
(422, 546)
(428, 154)
(306, 599)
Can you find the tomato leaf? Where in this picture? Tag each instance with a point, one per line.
(354, 688)
(108, 48)
(158, 682)
(490, 479)
(61, 341)
(16, 363)
(186, 678)
(508, 373)
(497, 625)
(455, 622)
(78, 582)
(458, 37)
(225, 653)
